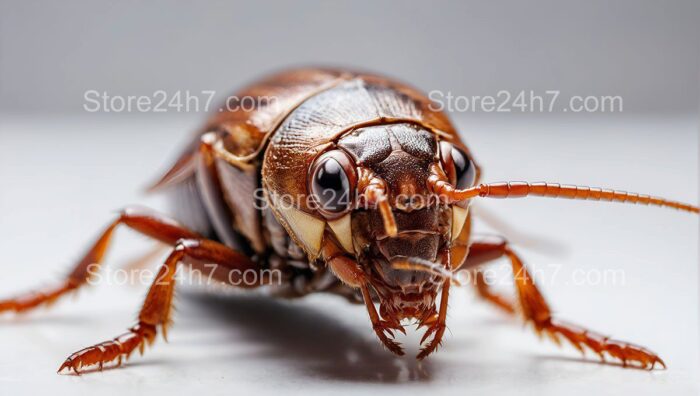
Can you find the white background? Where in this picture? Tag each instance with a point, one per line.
(63, 178)
(644, 50)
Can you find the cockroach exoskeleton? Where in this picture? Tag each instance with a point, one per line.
(365, 194)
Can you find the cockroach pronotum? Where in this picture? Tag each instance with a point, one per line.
(346, 183)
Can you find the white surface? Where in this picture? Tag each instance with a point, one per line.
(62, 179)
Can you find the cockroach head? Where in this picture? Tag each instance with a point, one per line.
(368, 192)
(371, 189)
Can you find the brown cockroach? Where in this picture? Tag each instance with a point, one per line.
(365, 193)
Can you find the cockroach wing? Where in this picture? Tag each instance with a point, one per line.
(246, 118)
(241, 127)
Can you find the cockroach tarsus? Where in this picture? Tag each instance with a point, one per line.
(331, 134)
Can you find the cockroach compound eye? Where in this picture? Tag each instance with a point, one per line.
(366, 190)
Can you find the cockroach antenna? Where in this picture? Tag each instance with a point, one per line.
(550, 190)
(419, 264)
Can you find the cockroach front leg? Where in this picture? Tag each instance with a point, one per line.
(383, 328)
(156, 309)
(480, 253)
(350, 273)
(437, 323)
(535, 310)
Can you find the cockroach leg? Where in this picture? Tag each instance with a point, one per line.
(156, 226)
(484, 291)
(439, 325)
(157, 307)
(382, 328)
(188, 247)
(352, 274)
(480, 253)
(535, 310)
(344, 267)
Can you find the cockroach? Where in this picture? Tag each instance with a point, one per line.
(346, 183)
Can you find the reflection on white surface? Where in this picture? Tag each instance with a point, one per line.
(63, 179)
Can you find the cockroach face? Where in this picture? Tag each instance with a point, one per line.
(375, 181)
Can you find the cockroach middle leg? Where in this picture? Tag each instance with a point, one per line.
(154, 225)
(485, 291)
(535, 310)
(480, 253)
(157, 307)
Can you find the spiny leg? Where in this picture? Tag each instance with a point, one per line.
(483, 288)
(468, 255)
(350, 273)
(438, 325)
(382, 328)
(536, 311)
(479, 253)
(148, 223)
(156, 310)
